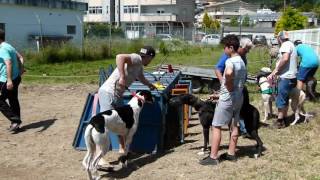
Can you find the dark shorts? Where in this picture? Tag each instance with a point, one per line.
(305, 73)
(285, 86)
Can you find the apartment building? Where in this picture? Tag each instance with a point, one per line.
(145, 18)
(224, 10)
(100, 11)
(30, 23)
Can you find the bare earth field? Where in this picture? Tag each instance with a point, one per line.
(50, 119)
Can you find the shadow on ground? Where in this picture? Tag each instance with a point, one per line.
(136, 161)
(44, 125)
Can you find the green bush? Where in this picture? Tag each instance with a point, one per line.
(99, 48)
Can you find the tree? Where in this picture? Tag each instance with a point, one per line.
(246, 21)
(234, 21)
(206, 21)
(291, 19)
(316, 10)
(215, 25)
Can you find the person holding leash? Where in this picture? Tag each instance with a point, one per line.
(245, 46)
(229, 104)
(129, 68)
(10, 77)
(286, 69)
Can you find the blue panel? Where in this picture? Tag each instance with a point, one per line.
(150, 134)
(78, 141)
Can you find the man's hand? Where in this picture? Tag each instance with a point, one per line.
(271, 76)
(9, 85)
(122, 82)
(152, 87)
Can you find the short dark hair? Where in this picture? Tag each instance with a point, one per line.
(231, 40)
(2, 35)
(297, 42)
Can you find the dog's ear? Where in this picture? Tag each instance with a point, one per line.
(140, 103)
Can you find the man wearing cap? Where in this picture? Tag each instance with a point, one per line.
(286, 69)
(129, 68)
(308, 64)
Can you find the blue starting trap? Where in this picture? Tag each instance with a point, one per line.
(152, 132)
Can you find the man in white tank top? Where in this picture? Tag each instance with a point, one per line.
(129, 68)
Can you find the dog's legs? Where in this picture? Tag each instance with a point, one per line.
(91, 148)
(265, 105)
(102, 141)
(254, 134)
(205, 138)
(124, 158)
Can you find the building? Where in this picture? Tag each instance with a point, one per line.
(30, 23)
(100, 11)
(146, 18)
(224, 10)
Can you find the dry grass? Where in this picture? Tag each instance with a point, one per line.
(291, 153)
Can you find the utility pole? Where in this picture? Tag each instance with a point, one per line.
(284, 4)
(240, 23)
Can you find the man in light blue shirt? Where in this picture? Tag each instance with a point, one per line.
(9, 82)
(308, 64)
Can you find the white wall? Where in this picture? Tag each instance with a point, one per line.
(21, 21)
(307, 36)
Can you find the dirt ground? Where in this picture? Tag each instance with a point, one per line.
(50, 119)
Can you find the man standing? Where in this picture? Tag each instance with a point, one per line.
(308, 64)
(286, 69)
(129, 68)
(9, 82)
(245, 46)
(229, 104)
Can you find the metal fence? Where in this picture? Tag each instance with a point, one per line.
(307, 36)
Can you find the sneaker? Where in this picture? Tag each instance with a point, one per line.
(14, 127)
(226, 156)
(209, 161)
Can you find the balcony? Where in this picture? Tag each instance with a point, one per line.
(59, 4)
(149, 17)
(158, 2)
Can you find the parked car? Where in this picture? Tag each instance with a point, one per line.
(164, 37)
(260, 39)
(213, 39)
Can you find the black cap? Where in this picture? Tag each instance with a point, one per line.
(147, 51)
(297, 42)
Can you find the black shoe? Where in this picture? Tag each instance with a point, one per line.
(209, 161)
(226, 156)
(14, 127)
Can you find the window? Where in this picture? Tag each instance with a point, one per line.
(132, 9)
(2, 26)
(95, 9)
(107, 10)
(71, 29)
(160, 11)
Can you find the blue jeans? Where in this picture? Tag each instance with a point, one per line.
(284, 88)
(242, 127)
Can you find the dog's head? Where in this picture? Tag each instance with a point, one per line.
(183, 99)
(144, 96)
(264, 72)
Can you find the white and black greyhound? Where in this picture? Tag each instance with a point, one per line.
(297, 98)
(122, 120)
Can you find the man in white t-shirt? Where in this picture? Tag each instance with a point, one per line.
(129, 68)
(286, 70)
